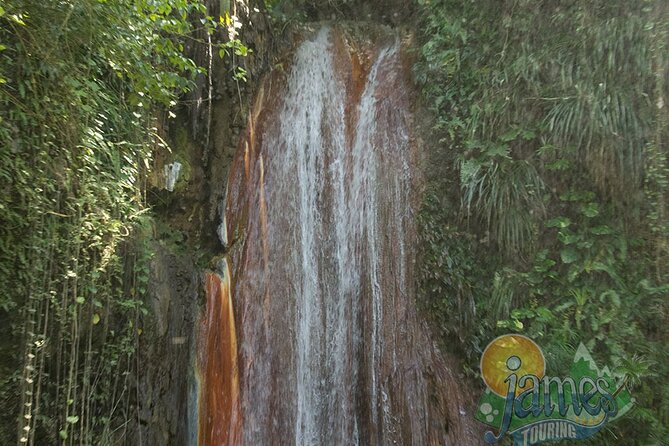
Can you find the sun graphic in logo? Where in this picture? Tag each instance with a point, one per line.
(511, 353)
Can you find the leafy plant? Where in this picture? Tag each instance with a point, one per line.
(554, 118)
(507, 196)
(81, 84)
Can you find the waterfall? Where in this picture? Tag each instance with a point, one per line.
(320, 234)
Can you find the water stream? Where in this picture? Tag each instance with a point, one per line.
(319, 225)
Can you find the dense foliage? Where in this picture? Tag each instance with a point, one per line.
(547, 215)
(546, 210)
(80, 85)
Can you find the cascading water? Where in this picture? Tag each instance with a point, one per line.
(320, 231)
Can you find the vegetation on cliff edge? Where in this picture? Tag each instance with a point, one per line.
(81, 86)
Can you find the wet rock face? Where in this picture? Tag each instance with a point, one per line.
(165, 391)
(320, 232)
(219, 411)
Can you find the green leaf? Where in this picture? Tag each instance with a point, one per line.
(240, 74)
(18, 19)
(498, 150)
(242, 50)
(585, 244)
(562, 307)
(72, 419)
(601, 230)
(544, 314)
(63, 434)
(590, 210)
(575, 270)
(610, 270)
(80, 299)
(558, 165)
(510, 135)
(527, 134)
(569, 255)
(558, 222)
(612, 295)
(567, 238)
(544, 265)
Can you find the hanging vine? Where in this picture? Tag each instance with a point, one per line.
(80, 85)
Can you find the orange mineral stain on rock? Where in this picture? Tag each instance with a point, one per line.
(220, 414)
